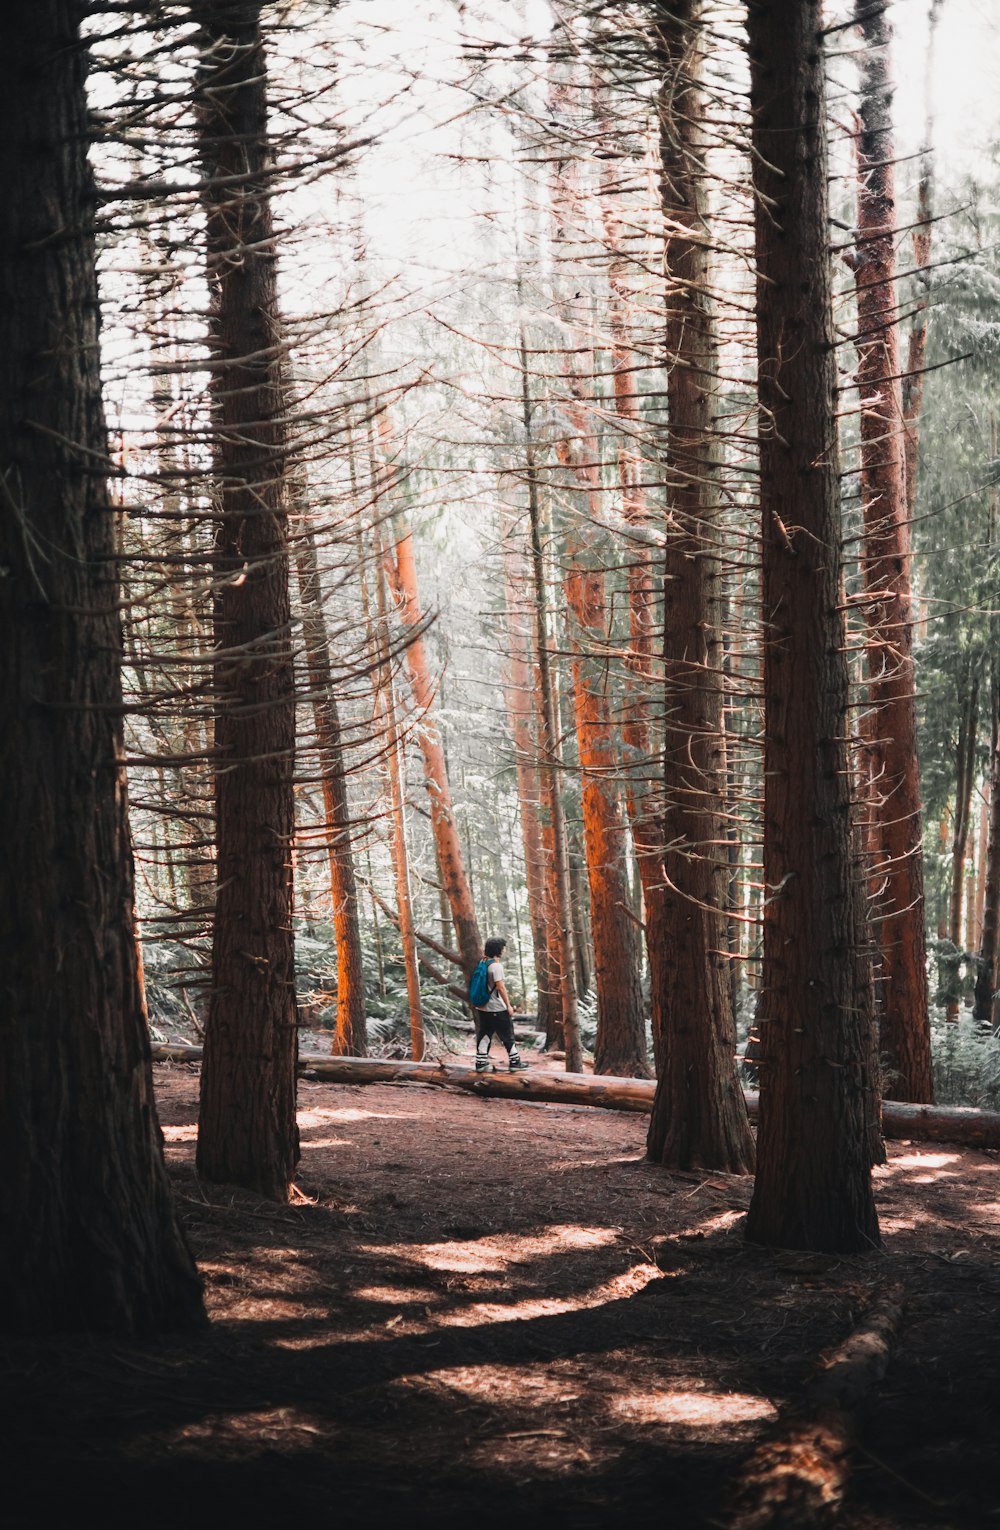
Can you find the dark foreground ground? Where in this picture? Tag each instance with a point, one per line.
(497, 1313)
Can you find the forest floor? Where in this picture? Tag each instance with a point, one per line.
(499, 1309)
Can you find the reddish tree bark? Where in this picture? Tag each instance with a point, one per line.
(896, 840)
(643, 776)
(93, 1242)
(549, 762)
(916, 356)
(813, 1186)
(620, 1046)
(388, 712)
(987, 968)
(522, 712)
(621, 1041)
(402, 573)
(247, 1133)
(699, 1117)
(965, 769)
(350, 1038)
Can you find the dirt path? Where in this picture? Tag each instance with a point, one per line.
(499, 1309)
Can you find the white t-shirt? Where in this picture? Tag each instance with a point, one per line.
(494, 973)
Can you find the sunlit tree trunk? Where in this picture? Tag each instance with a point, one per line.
(350, 1037)
(621, 1043)
(402, 573)
(247, 1132)
(987, 966)
(896, 830)
(549, 764)
(642, 777)
(896, 840)
(621, 1040)
(389, 715)
(93, 1243)
(521, 711)
(813, 1186)
(965, 771)
(916, 356)
(974, 928)
(699, 1116)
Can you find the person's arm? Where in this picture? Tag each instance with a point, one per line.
(501, 989)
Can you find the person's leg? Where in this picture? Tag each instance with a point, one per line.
(505, 1031)
(484, 1038)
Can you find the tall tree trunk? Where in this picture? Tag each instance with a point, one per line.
(620, 1046)
(350, 1037)
(621, 1041)
(977, 898)
(916, 354)
(965, 770)
(987, 966)
(549, 764)
(643, 789)
(813, 1187)
(387, 709)
(93, 1240)
(522, 713)
(699, 1117)
(897, 840)
(247, 1133)
(402, 572)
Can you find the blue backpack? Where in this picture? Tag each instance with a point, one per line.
(479, 985)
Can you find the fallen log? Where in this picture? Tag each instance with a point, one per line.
(798, 1474)
(924, 1123)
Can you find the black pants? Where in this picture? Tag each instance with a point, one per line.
(498, 1023)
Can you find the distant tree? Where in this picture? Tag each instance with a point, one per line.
(813, 1186)
(552, 815)
(522, 710)
(402, 574)
(350, 1037)
(84, 1186)
(620, 1046)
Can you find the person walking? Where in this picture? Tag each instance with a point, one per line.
(494, 1014)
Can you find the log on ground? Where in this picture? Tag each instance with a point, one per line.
(922, 1123)
(797, 1476)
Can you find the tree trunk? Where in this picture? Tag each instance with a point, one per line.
(522, 713)
(350, 1038)
(621, 1040)
(402, 572)
(897, 840)
(699, 1118)
(986, 971)
(977, 900)
(553, 821)
(93, 1243)
(247, 1134)
(401, 863)
(813, 1187)
(916, 353)
(643, 789)
(621, 1034)
(965, 769)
